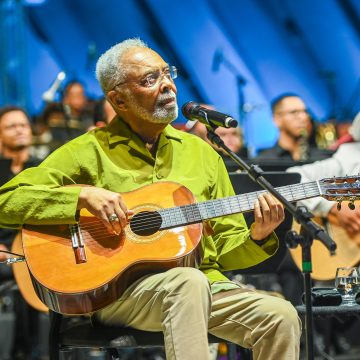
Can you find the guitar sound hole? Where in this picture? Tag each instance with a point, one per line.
(145, 223)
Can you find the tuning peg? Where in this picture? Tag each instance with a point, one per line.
(351, 205)
(338, 206)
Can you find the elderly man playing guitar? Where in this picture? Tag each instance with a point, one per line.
(112, 227)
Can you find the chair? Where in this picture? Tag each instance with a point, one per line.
(84, 334)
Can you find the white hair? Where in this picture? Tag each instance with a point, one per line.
(108, 71)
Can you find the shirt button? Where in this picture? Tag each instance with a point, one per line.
(159, 176)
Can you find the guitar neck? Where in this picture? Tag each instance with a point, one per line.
(198, 212)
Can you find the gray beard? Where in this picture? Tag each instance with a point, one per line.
(161, 114)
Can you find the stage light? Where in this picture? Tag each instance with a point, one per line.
(33, 2)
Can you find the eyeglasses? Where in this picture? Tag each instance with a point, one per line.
(153, 78)
(296, 112)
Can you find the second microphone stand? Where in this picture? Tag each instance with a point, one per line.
(308, 230)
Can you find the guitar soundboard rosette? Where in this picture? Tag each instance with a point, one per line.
(141, 239)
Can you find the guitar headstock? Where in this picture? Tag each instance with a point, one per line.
(346, 188)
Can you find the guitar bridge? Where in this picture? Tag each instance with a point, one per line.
(77, 244)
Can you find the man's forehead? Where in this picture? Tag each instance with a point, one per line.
(14, 116)
(140, 57)
(292, 101)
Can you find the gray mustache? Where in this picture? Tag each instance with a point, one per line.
(164, 97)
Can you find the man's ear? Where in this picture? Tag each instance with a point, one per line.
(277, 121)
(116, 100)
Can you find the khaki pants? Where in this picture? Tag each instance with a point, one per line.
(179, 303)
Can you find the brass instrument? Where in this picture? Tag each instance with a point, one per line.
(303, 143)
(326, 135)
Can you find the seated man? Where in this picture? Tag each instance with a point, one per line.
(139, 148)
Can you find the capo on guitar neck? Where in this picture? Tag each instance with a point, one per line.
(77, 244)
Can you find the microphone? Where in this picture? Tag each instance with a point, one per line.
(49, 95)
(193, 111)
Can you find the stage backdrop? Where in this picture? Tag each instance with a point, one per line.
(234, 54)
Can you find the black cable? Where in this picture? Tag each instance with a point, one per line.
(11, 253)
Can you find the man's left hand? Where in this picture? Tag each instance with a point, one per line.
(269, 214)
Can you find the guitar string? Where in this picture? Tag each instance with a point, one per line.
(144, 219)
(234, 201)
(192, 215)
(145, 226)
(96, 226)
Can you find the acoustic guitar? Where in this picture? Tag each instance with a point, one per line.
(325, 264)
(80, 268)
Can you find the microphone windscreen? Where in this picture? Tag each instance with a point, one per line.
(187, 108)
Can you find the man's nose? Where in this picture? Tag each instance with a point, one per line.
(166, 84)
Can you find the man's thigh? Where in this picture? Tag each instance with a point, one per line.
(240, 315)
(141, 305)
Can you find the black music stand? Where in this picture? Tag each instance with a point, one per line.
(242, 183)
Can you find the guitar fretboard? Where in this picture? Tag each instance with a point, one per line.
(198, 212)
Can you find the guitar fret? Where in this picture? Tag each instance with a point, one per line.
(213, 208)
(248, 200)
(223, 209)
(303, 190)
(195, 214)
(292, 194)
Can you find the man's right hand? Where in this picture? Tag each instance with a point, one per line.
(103, 204)
(347, 218)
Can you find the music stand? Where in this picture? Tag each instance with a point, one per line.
(242, 183)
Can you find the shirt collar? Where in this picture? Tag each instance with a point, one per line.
(119, 131)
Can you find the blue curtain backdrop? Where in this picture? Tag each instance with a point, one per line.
(234, 54)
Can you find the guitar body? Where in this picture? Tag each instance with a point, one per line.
(23, 279)
(325, 265)
(113, 262)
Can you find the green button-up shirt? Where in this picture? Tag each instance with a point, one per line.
(116, 159)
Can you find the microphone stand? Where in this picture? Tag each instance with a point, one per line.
(308, 231)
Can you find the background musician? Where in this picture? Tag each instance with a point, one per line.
(15, 155)
(16, 138)
(296, 131)
(345, 161)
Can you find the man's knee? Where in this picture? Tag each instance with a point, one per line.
(188, 279)
(287, 316)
